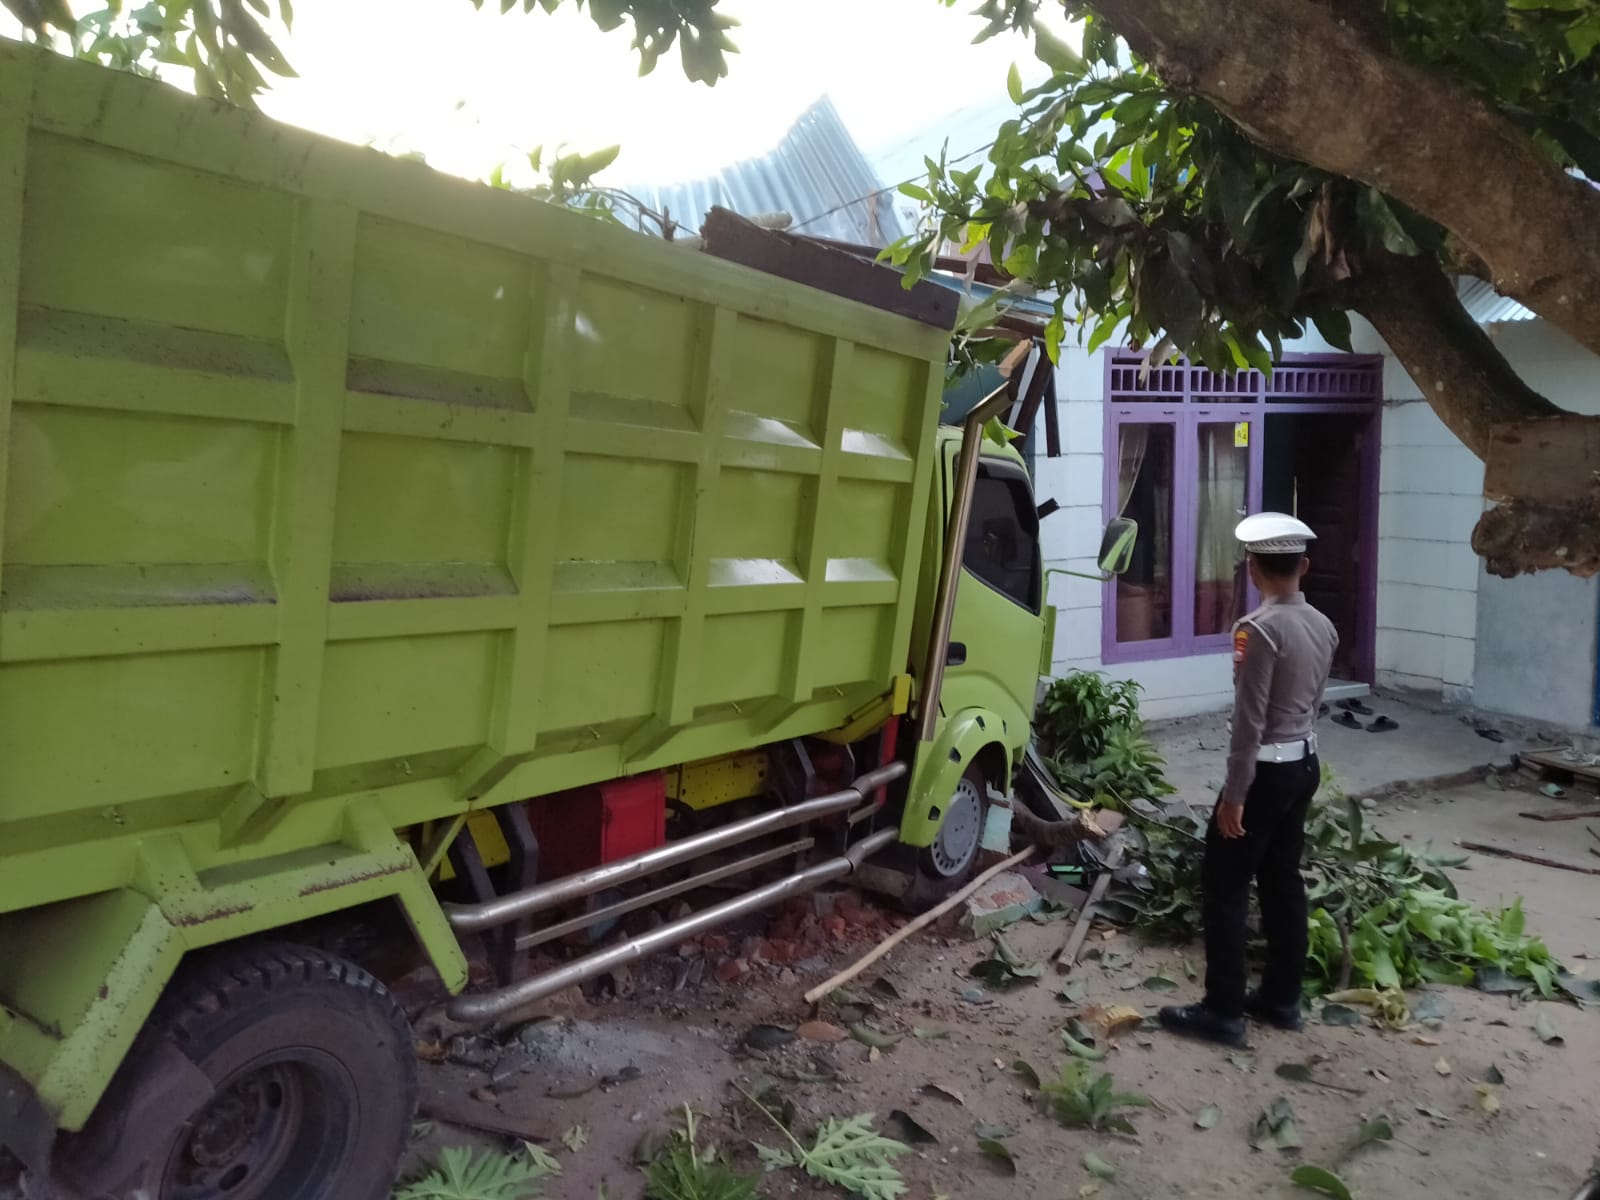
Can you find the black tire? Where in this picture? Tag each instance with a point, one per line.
(314, 1077)
(945, 866)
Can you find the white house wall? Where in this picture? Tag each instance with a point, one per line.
(1536, 635)
(1445, 627)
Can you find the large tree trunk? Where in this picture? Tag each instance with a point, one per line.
(1307, 80)
(1549, 517)
(1414, 308)
(1303, 80)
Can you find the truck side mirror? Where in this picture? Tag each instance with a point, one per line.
(1116, 547)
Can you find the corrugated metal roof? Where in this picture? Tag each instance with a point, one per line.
(817, 174)
(1487, 306)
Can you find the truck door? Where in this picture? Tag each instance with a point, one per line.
(996, 633)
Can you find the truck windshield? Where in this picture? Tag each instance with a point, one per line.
(1003, 537)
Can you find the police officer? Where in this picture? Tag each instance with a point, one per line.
(1281, 656)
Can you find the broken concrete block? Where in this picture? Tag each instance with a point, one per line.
(1003, 900)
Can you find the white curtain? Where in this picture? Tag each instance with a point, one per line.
(1133, 441)
(1221, 502)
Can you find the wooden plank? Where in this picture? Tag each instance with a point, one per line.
(1052, 414)
(1547, 761)
(1552, 460)
(1581, 814)
(1536, 859)
(1034, 396)
(802, 260)
(1067, 957)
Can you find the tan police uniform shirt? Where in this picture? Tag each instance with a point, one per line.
(1282, 653)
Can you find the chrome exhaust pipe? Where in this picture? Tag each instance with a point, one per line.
(474, 918)
(486, 1006)
(548, 933)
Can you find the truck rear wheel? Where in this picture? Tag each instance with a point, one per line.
(313, 1079)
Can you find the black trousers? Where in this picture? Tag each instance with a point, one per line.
(1269, 853)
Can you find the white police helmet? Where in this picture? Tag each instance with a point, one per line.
(1274, 533)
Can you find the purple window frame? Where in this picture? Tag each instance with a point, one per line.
(1186, 397)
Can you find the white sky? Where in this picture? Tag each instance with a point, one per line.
(471, 89)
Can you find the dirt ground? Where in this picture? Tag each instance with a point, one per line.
(618, 1069)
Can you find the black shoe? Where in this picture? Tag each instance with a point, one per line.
(1348, 720)
(1198, 1021)
(1286, 1017)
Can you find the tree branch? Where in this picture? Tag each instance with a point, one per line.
(1414, 307)
(1520, 537)
(1303, 81)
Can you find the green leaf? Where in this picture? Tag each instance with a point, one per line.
(466, 1174)
(681, 1170)
(1379, 221)
(916, 192)
(875, 1038)
(1334, 325)
(1102, 333)
(1547, 1031)
(1080, 1050)
(1207, 1117)
(1014, 84)
(1340, 1014)
(998, 1153)
(1026, 1071)
(850, 1154)
(1276, 1126)
(1098, 1167)
(1137, 108)
(1378, 1129)
(1316, 1179)
(1160, 983)
(1584, 36)
(1055, 53)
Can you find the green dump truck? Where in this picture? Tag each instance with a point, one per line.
(375, 541)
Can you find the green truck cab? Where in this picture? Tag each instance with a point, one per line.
(374, 541)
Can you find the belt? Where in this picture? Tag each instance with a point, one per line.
(1287, 752)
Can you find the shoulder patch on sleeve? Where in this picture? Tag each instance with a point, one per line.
(1246, 626)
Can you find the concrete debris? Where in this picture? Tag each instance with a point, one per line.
(1003, 900)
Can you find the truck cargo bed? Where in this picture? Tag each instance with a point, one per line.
(327, 474)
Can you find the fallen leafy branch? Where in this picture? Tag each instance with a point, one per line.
(684, 1171)
(1081, 1099)
(850, 1154)
(466, 1174)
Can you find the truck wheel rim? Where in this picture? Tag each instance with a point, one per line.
(957, 844)
(275, 1129)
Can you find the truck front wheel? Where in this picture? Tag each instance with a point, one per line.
(313, 1083)
(948, 862)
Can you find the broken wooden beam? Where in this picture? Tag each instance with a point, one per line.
(728, 236)
(906, 930)
(1536, 859)
(1067, 957)
(1561, 816)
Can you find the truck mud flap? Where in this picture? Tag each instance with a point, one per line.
(485, 1006)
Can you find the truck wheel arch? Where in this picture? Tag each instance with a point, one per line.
(974, 734)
